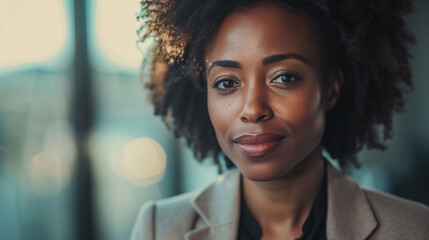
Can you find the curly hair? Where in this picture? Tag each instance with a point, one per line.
(367, 39)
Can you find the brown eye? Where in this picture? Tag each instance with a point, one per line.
(225, 84)
(286, 78)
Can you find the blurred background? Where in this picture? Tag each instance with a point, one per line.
(80, 150)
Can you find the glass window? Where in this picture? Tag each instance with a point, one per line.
(37, 152)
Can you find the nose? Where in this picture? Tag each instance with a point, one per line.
(256, 107)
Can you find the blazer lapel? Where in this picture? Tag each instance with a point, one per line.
(349, 213)
(218, 206)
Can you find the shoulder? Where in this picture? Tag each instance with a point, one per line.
(180, 205)
(358, 213)
(385, 203)
(399, 216)
(165, 219)
(172, 218)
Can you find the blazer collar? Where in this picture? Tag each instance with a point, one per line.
(219, 207)
(349, 213)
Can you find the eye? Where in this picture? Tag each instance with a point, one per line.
(225, 84)
(287, 78)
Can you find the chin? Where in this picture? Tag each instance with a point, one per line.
(264, 172)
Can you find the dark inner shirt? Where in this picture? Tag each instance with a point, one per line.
(314, 226)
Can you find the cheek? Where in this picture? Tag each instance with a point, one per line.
(219, 112)
(304, 112)
(313, 117)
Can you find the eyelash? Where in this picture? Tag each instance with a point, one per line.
(220, 81)
(288, 76)
(288, 82)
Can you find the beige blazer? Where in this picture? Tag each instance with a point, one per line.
(213, 213)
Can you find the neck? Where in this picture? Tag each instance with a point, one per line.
(287, 201)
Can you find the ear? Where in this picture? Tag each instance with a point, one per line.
(334, 84)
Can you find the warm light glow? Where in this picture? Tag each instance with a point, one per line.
(31, 31)
(144, 161)
(115, 156)
(50, 170)
(115, 26)
(59, 139)
(48, 173)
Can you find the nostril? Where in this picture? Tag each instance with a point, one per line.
(261, 118)
(247, 118)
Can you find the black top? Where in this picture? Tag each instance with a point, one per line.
(314, 226)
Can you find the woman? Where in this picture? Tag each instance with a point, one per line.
(270, 84)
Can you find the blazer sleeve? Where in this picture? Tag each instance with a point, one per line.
(144, 226)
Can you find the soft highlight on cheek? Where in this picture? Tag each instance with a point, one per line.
(215, 112)
(220, 131)
(222, 115)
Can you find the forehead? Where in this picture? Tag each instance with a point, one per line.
(261, 31)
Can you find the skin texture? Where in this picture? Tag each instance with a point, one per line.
(287, 97)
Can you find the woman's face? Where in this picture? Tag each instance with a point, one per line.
(266, 91)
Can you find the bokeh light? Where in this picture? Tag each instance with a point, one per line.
(115, 27)
(115, 156)
(144, 161)
(31, 31)
(50, 171)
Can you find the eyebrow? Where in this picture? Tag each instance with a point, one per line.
(281, 57)
(265, 61)
(224, 63)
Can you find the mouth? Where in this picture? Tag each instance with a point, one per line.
(257, 145)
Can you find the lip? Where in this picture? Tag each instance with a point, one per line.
(258, 145)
